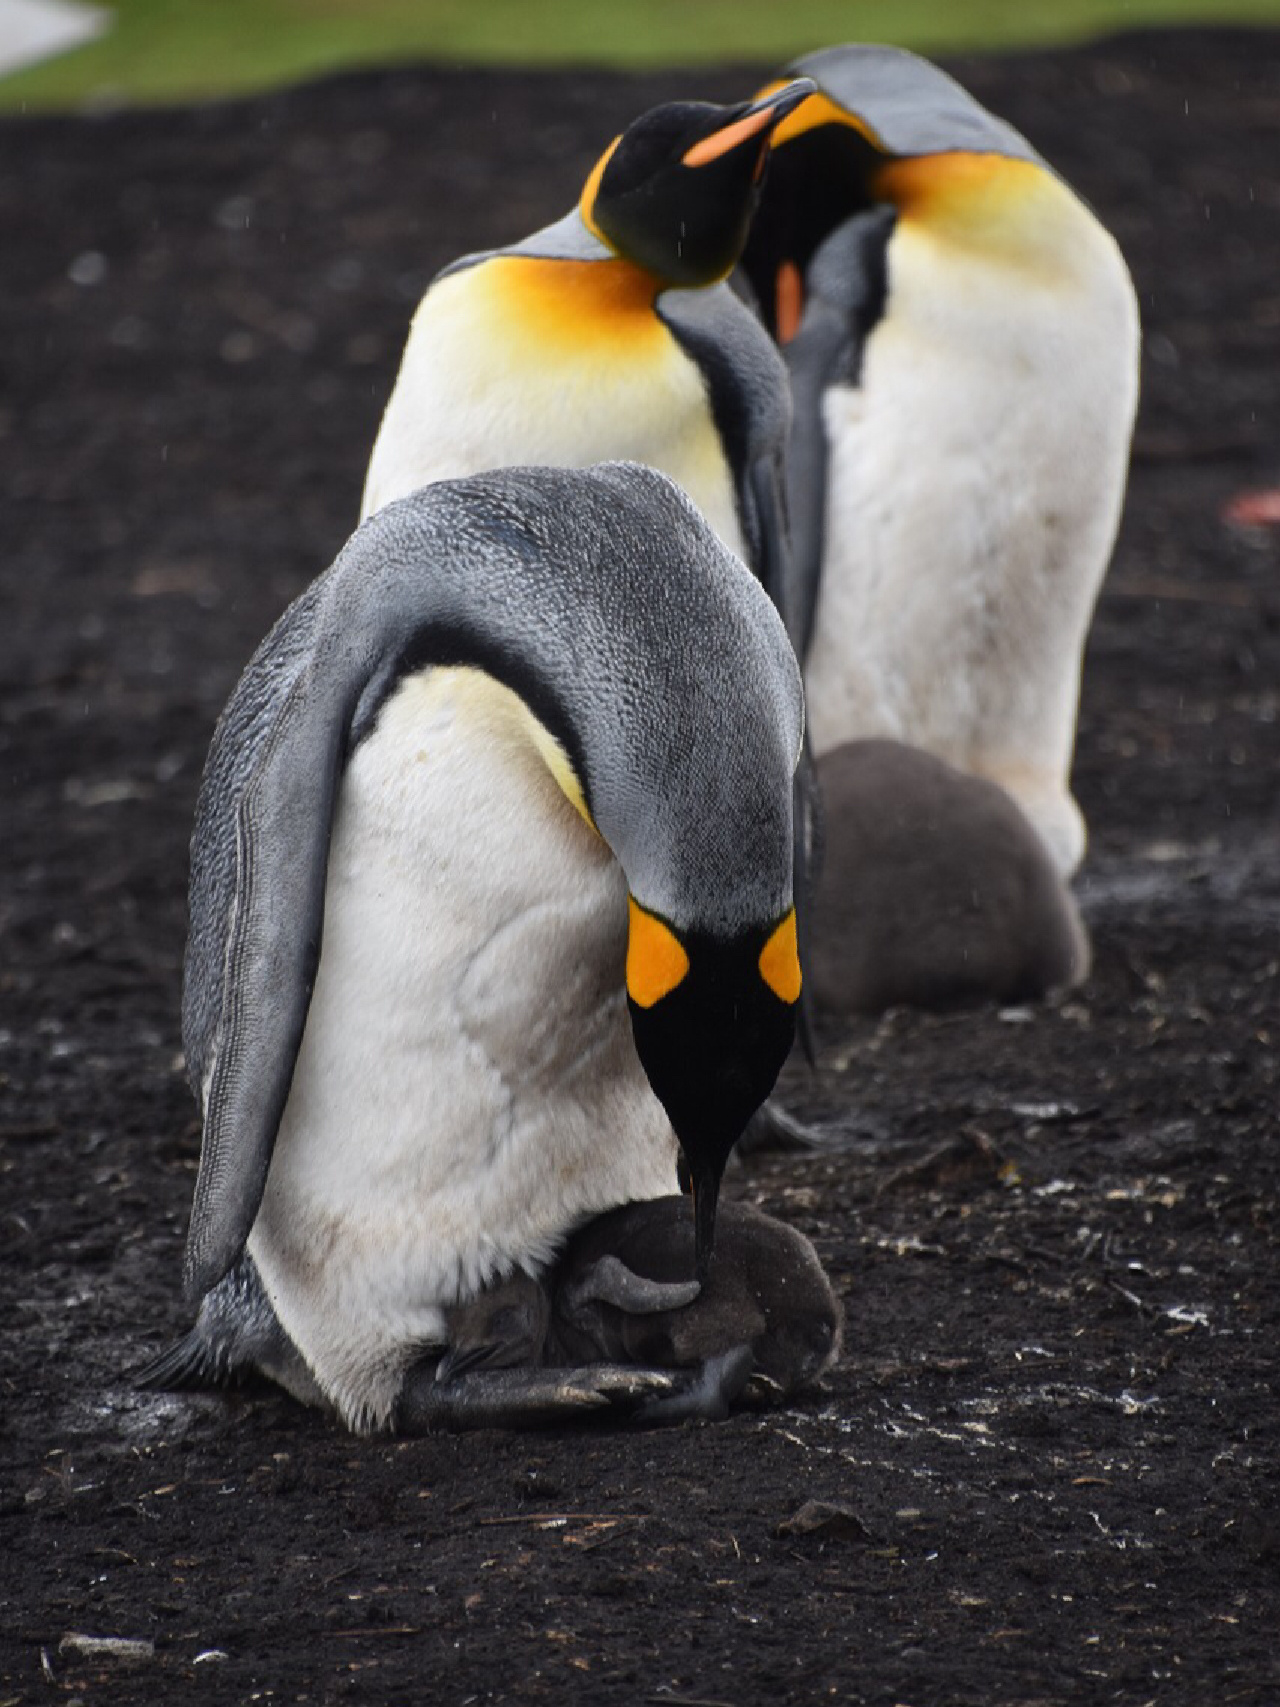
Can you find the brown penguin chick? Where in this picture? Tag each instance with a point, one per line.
(503, 1327)
(764, 1325)
(766, 1290)
(935, 890)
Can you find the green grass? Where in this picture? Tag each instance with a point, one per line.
(177, 50)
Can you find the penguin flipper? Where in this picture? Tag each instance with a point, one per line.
(746, 383)
(260, 857)
(610, 1281)
(259, 860)
(795, 600)
(845, 287)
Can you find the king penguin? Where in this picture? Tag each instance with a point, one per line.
(610, 335)
(962, 338)
(490, 910)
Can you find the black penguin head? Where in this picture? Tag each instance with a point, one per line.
(675, 193)
(713, 1022)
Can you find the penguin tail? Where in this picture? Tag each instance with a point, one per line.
(235, 1333)
(190, 1365)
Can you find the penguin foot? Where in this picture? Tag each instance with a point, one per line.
(525, 1398)
(710, 1394)
(772, 1128)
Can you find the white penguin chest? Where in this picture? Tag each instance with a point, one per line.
(519, 362)
(974, 485)
(467, 1088)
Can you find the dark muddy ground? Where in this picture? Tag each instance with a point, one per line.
(1055, 1425)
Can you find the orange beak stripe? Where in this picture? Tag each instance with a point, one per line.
(656, 958)
(722, 141)
(780, 961)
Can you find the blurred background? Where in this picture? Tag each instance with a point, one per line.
(62, 54)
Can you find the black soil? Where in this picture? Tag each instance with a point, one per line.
(1054, 1429)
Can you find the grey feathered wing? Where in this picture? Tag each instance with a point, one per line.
(259, 858)
(845, 290)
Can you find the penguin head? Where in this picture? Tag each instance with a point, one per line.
(714, 1019)
(675, 193)
(875, 109)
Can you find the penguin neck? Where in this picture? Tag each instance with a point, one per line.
(574, 241)
(567, 291)
(572, 302)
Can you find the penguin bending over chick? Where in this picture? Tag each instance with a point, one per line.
(611, 334)
(765, 1326)
(962, 337)
(491, 889)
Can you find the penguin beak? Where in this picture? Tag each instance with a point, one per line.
(758, 119)
(705, 1185)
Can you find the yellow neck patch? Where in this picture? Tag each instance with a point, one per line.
(816, 110)
(656, 958)
(780, 961)
(558, 763)
(570, 305)
(587, 200)
(931, 186)
(503, 718)
(988, 198)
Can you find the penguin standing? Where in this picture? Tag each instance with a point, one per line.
(610, 335)
(419, 1069)
(962, 338)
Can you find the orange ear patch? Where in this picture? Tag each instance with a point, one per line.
(656, 958)
(587, 200)
(780, 961)
(818, 110)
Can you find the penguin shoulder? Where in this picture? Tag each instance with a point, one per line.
(1018, 215)
(547, 354)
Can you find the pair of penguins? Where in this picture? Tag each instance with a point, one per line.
(525, 756)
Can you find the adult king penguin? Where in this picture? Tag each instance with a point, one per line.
(962, 337)
(609, 334)
(420, 1069)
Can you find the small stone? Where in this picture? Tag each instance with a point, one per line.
(106, 1647)
(825, 1517)
(90, 268)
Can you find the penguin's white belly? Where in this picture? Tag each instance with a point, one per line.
(478, 391)
(467, 1088)
(975, 482)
